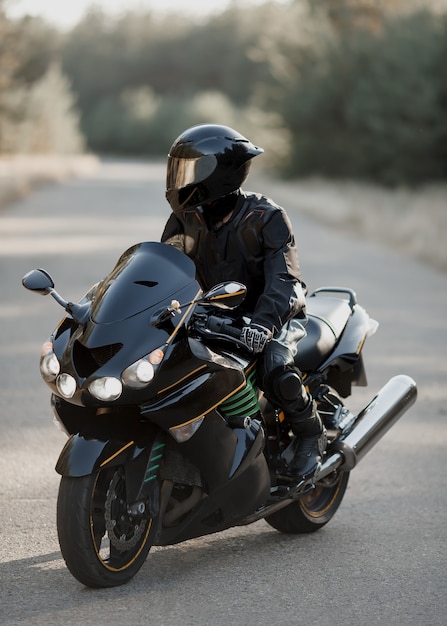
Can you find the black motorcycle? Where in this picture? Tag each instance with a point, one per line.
(170, 437)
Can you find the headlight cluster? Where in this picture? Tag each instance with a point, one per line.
(106, 388)
(50, 370)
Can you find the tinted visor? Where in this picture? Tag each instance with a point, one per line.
(184, 172)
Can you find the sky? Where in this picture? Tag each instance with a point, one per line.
(66, 14)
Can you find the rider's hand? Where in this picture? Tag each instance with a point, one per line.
(255, 337)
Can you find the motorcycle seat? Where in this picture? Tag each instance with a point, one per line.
(327, 318)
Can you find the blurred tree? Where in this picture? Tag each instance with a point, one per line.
(9, 61)
(342, 87)
(8, 47)
(175, 59)
(370, 15)
(441, 73)
(351, 15)
(370, 105)
(171, 56)
(42, 117)
(38, 47)
(37, 106)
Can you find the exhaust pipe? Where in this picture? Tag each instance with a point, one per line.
(391, 402)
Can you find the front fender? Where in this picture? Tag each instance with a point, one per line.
(82, 456)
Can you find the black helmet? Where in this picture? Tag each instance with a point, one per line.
(206, 162)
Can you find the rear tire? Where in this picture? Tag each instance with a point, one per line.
(313, 510)
(103, 546)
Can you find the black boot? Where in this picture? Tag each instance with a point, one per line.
(307, 459)
(303, 456)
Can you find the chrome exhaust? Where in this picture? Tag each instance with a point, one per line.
(391, 402)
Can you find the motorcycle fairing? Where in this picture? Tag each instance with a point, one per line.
(91, 351)
(224, 508)
(237, 485)
(203, 396)
(118, 330)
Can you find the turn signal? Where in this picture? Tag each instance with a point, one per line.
(185, 432)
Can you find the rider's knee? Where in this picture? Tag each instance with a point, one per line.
(285, 389)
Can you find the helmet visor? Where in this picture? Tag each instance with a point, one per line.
(184, 172)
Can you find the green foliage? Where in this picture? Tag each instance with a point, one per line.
(172, 57)
(140, 122)
(160, 75)
(37, 106)
(38, 47)
(343, 88)
(40, 118)
(373, 105)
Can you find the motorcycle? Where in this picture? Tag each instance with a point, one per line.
(169, 435)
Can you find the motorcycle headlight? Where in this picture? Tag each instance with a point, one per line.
(140, 373)
(66, 385)
(106, 388)
(49, 365)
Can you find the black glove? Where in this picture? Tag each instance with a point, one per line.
(255, 337)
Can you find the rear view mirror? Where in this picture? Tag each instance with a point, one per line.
(228, 295)
(39, 281)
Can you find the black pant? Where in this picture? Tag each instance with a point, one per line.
(281, 380)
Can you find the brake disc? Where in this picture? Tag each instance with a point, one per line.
(123, 530)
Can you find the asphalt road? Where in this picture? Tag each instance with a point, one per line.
(382, 559)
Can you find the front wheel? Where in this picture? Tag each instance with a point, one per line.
(313, 510)
(102, 544)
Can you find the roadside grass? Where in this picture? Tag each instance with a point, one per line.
(20, 174)
(412, 221)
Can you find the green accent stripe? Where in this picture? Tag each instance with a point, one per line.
(153, 466)
(239, 402)
(245, 402)
(155, 458)
(243, 409)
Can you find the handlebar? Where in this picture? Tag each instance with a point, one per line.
(215, 327)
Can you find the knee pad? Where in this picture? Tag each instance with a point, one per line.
(285, 389)
(289, 388)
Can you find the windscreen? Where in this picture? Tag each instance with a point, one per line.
(144, 276)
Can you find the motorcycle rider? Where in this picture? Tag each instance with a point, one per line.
(243, 236)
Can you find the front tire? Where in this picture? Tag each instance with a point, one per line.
(103, 546)
(313, 510)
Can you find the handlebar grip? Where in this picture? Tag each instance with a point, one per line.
(218, 325)
(211, 327)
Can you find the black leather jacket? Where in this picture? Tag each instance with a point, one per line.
(255, 247)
